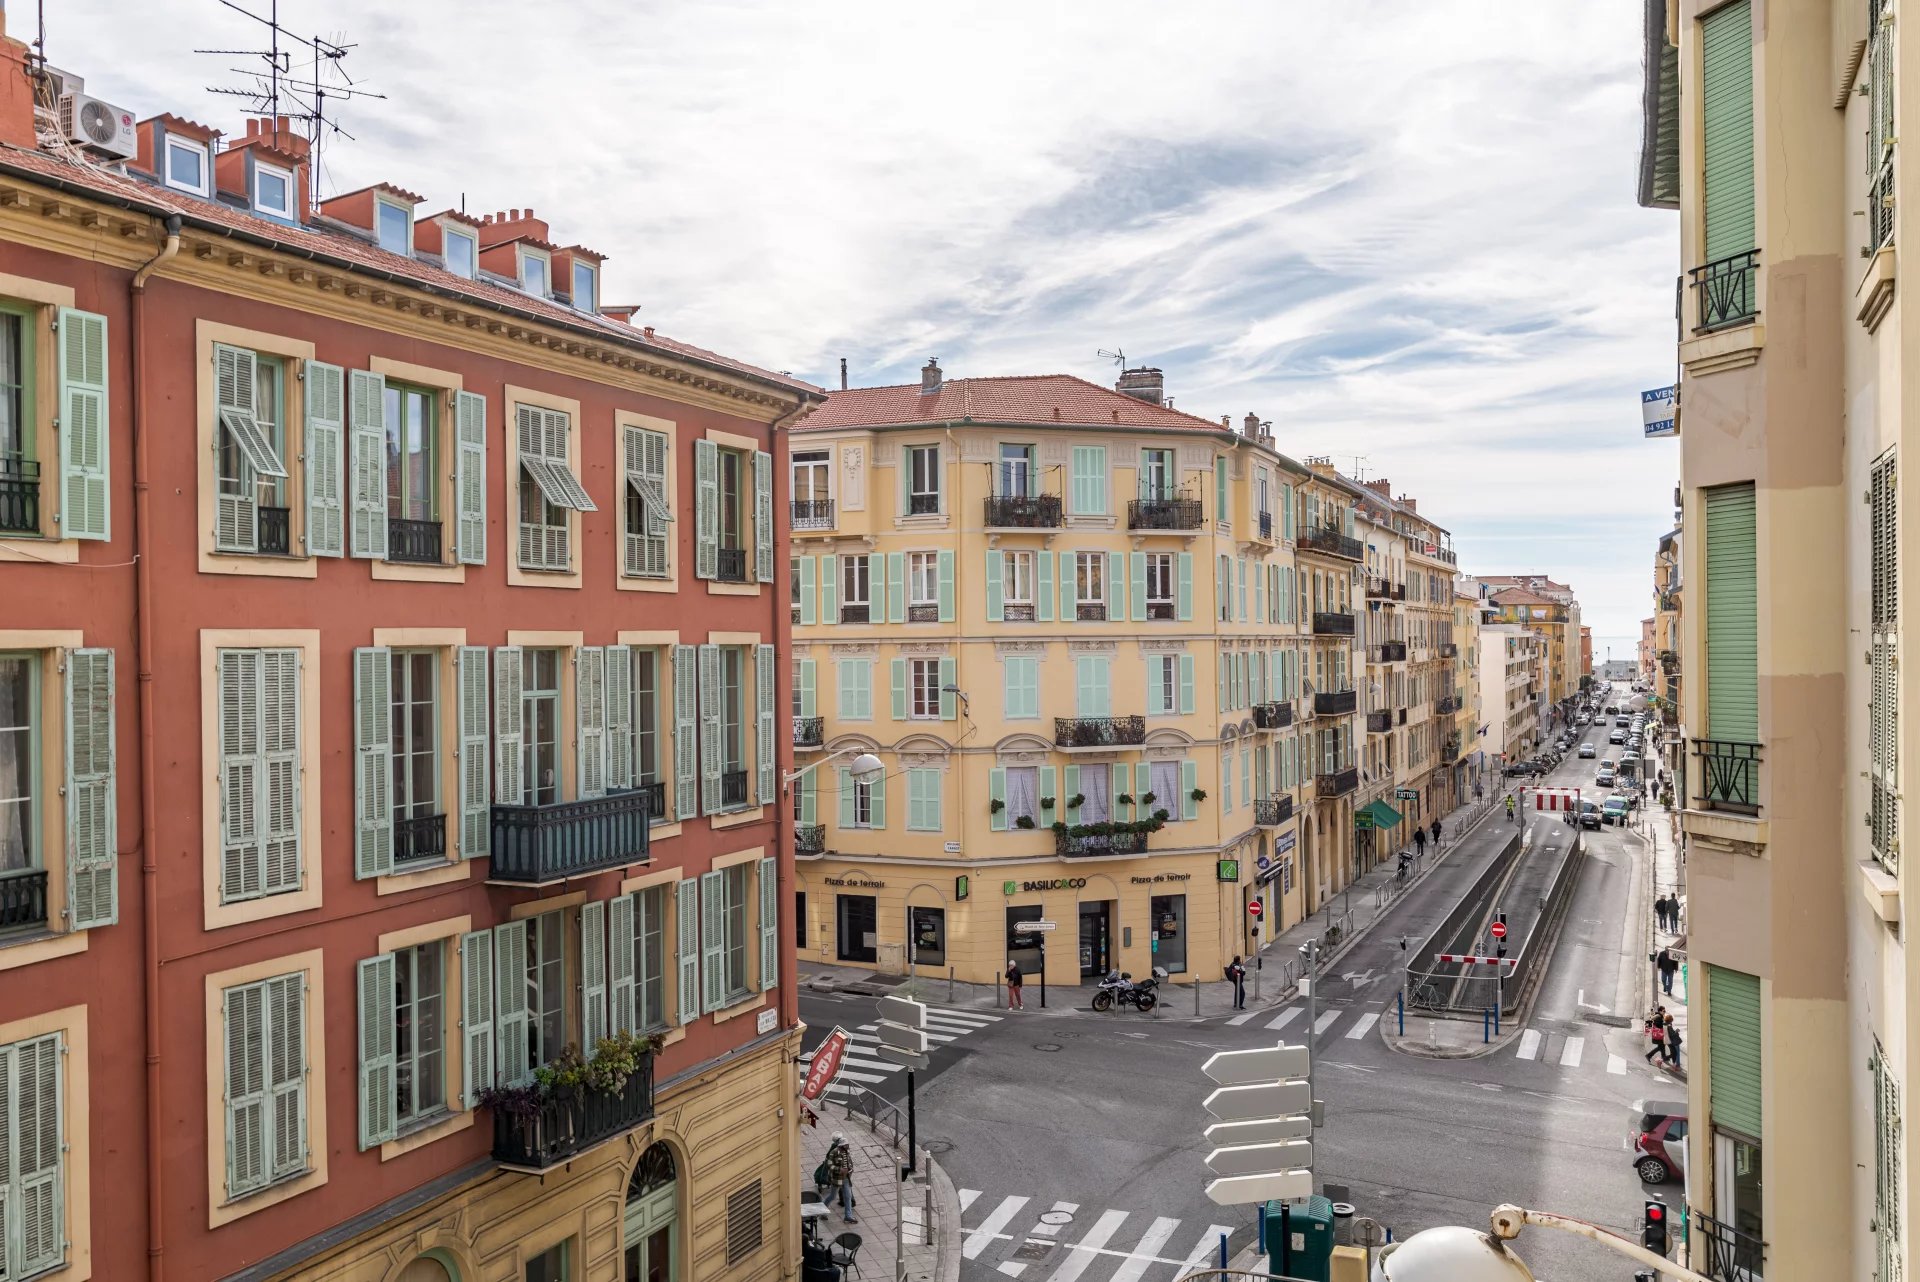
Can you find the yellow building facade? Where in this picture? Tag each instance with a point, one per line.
(1075, 626)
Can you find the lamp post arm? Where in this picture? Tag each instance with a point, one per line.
(792, 777)
(1508, 1220)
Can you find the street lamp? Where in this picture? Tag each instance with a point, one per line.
(865, 767)
(1452, 1253)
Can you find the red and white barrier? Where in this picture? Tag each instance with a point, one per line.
(1556, 799)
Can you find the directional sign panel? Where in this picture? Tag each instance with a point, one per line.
(900, 1056)
(1249, 1103)
(903, 1010)
(1255, 1159)
(1264, 1064)
(1022, 927)
(901, 1037)
(1248, 1190)
(1266, 1130)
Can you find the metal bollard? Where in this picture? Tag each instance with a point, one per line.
(1400, 1008)
(1486, 1026)
(1196, 995)
(949, 985)
(1223, 1250)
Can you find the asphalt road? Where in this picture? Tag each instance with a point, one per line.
(1075, 1138)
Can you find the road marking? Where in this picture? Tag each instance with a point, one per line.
(1616, 1065)
(1529, 1044)
(1359, 1030)
(1327, 1021)
(966, 1198)
(910, 1227)
(1284, 1018)
(1081, 1253)
(989, 1228)
(1570, 1057)
(1013, 1270)
(1243, 1018)
(1146, 1251)
(1209, 1247)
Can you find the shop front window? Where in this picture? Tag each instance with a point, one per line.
(1169, 927)
(929, 936)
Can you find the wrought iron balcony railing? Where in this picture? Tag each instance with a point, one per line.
(1726, 291)
(1337, 784)
(1334, 702)
(1389, 651)
(1163, 512)
(1332, 623)
(422, 839)
(1160, 610)
(1277, 715)
(274, 526)
(923, 614)
(1026, 512)
(1723, 1252)
(535, 844)
(1099, 732)
(810, 839)
(655, 792)
(1447, 703)
(1380, 722)
(809, 732)
(415, 542)
(1093, 845)
(1448, 650)
(923, 504)
(1090, 611)
(20, 495)
(1332, 542)
(732, 566)
(1383, 590)
(1017, 612)
(1266, 527)
(1728, 776)
(1450, 750)
(855, 612)
(733, 788)
(570, 1121)
(812, 514)
(1271, 812)
(23, 900)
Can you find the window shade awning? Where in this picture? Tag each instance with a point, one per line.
(558, 484)
(1384, 816)
(652, 495)
(252, 441)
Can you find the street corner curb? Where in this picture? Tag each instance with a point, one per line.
(1611, 1021)
(946, 1224)
(1412, 1046)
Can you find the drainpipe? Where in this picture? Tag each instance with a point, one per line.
(143, 647)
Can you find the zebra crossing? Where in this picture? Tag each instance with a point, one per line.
(863, 1065)
(1038, 1240)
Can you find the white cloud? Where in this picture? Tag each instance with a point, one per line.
(1404, 232)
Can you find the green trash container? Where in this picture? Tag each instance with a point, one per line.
(1309, 1236)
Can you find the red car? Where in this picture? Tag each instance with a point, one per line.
(1659, 1148)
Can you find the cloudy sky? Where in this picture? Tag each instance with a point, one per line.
(1404, 232)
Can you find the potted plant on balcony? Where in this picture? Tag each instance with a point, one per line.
(1198, 794)
(995, 806)
(1076, 801)
(1046, 803)
(1148, 798)
(1160, 818)
(1124, 799)
(1024, 821)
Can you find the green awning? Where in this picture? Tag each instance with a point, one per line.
(1382, 815)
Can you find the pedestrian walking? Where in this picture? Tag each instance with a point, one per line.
(1436, 833)
(838, 1168)
(1237, 976)
(1013, 985)
(1667, 964)
(1419, 841)
(1657, 1034)
(1660, 913)
(1672, 1041)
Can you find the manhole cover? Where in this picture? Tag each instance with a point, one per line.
(1033, 1250)
(938, 1146)
(1057, 1217)
(1046, 1046)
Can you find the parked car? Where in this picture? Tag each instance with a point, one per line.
(1588, 750)
(1617, 736)
(1660, 1146)
(1604, 779)
(1623, 722)
(1585, 719)
(1614, 811)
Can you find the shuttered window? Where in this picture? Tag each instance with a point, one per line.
(649, 507)
(1880, 126)
(1022, 686)
(93, 889)
(265, 1081)
(1727, 110)
(686, 735)
(86, 496)
(767, 877)
(1733, 1050)
(549, 490)
(260, 768)
(1887, 1140)
(1732, 599)
(1089, 480)
(32, 1157)
(248, 451)
(1883, 716)
(923, 800)
(367, 464)
(470, 477)
(686, 900)
(323, 459)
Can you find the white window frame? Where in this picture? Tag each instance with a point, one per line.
(1083, 562)
(855, 569)
(1016, 582)
(380, 205)
(1169, 587)
(817, 460)
(205, 187)
(592, 304)
(546, 271)
(914, 454)
(1168, 679)
(923, 689)
(862, 803)
(449, 234)
(286, 176)
(923, 578)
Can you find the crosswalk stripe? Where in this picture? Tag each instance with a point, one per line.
(1243, 1017)
(1284, 1018)
(1081, 1253)
(884, 1066)
(1012, 1268)
(1367, 1021)
(1529, 1044)
(1326, 1021)
(1570, 1057)
(1209, 1247)
(966, 1198)
(943, 1021)
(1145, 1250)
(1616, 1065)
(868, 1078)
(984, 1232)
(868, 1034)
(978, 1018)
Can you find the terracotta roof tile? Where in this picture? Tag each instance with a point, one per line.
(1519, 596)
(1037, 399)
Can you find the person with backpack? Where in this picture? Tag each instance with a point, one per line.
(1657, 1033)
(835, 1175)
(1237, 976)
(1672, 1041)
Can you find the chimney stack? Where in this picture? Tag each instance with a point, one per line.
(1143, 383)
(930, 378)
(1250, 427)
(1382, 487)
(843, 373)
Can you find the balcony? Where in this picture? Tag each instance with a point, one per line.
(1096, 845)
(1163, 512)
(1334, 702)
(809, 732)
(1389, 651)
(1668, 602)
(533, 845)
(1034, 512)
(923, 505)
(1273, 716)
(23, 900)
(422, 839)
(1162, 610)
(812, 514)
(1266, 527)
(1446, 704)
(1448, 650)
(855, 612)
(1337, 784)
(923, 614)
(733, 788)
(1723, 1252)
(656, 795)
(1382, 590)
(810, 839)
(1090, 611)
(1450, 750)
(1380, 722)
(1099, 732)
(1331, 542)
(732, 566)
(551, 1130)
(1725, 292)
(1271, 812)
(1331, 623)
(1728, 776)
(1017, 612)
(20, 495)
(274, 531)
(415, 542)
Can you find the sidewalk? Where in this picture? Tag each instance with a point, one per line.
(1666, 875)
(929, 1246)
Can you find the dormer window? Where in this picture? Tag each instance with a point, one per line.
(462, 251)
(186, 166)
(393, 224)
(535, 272)
(273, 191)
(585, 291)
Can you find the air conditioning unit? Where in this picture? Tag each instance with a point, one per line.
(63, 82)
(99, 125)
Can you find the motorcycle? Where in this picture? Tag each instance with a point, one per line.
(1118, 986)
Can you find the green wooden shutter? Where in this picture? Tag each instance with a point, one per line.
(372, 762)
(367, 464)
(1220, 511)
(765, 680)
(899, 670)
(1069, 789)
(949, 676)
(325, 481)
(713, 944)
(710, 746)
(996, 585)
(809, 592)
(849, 814)
(1732, 592)
(1240, 574)
(477, 1069)
(1043, 586)
(1049, 811)
(509, 715)
(894, 589)
(238, 675)
(843, 682)
(805, 680)
(997, 791)
(1068, 588)
(593, 974)
(706, 509)
(377, 1063)
(879, 790)
(766, 875)
(1733, 1050)
(944, 564)
(244, 1018)
(829, 586)
(86, 495)
(619, 718)
(1114, 583)
(1726, 38)
(763, 515)
(235, 375)
(590, 721)
(1189, 781)
(1259, 577)
(1186, 685)
(686, 742)
(32, 1178)
(1022, 686)
(686, 947)
(1086, 687)
(93, 860)
(470, 478)
(510, 1033)
(1089, 484)
(280, 745)
(1183, 609)
(623, 1014)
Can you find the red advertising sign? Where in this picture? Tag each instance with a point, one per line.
(825, 1065)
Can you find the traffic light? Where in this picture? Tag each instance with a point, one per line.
(1653, 1229)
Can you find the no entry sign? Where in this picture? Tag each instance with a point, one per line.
(826, 1064)
(1498, 930)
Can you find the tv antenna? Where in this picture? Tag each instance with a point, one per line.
(1117, 356)
(274, 81)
